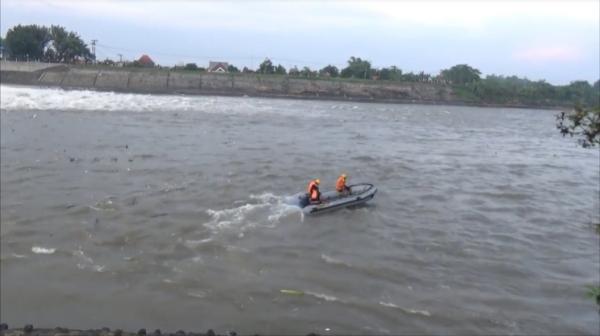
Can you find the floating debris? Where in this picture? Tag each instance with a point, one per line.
(291, 292)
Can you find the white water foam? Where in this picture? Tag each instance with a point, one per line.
(409, 311)
(87, 262)
(197, 294)
(28, 98)
(195, 243)
(19, 98)
(325, 297)
(334, 261)
(42, 250)
(267, 210)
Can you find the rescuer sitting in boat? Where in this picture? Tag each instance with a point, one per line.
(340, 185)
(314, 195)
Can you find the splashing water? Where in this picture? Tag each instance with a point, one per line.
(42, 250)
(264, 210)
(19, 98)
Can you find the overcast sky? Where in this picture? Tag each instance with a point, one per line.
(558, 41)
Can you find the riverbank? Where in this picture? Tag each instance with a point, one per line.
(162, 81)
(29, 330)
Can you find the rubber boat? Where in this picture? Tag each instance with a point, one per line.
(332, 200)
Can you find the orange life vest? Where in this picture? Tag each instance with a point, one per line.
(313, 191)
(340, 185)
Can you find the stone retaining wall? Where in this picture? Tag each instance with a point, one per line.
(164, 81)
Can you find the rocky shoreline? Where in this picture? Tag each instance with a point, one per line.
(29, 330)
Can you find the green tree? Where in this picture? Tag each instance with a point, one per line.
(580, 92)
(306, 72)
(27, 42)
(191, 66)
(266, 67)
(424, 77)
(410, 77)
(391, 73)
(294, 71)
(461, 74)
(2, 51)
(329, 71)
(280, 70)
(232, 68)
(357, 68)
(66, 46)
(515, 90)
(582, 123)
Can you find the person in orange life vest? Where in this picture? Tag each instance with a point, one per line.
(314, 195)
(340, 185)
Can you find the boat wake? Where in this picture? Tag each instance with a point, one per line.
(264, 210)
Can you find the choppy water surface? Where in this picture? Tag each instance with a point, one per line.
(171, 212)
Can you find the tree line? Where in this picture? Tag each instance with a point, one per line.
(466, 80)
(45, 44)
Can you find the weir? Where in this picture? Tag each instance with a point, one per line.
(139, 80)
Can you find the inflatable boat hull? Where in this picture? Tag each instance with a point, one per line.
(332, 200)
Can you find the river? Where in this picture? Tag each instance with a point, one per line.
(173, 212)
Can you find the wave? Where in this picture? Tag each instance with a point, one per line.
(190, 243)
(333, 261)
(86, 262)
(42, 250)
(408, 311)
(325, 297)
(264, 210)
(197, 294)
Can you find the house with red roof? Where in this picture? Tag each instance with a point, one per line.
(146, 61)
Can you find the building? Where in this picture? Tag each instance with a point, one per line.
(217, 66)
(146, 61)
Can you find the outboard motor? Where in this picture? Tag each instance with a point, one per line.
(303, 200)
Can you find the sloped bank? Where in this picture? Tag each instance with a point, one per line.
(179, 82)
(160, 81)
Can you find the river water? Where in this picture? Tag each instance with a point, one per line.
(173, 212)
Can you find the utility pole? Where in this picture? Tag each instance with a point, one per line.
(94, 49)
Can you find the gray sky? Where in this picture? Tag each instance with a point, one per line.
(554, 40)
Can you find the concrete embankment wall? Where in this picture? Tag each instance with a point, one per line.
(164, 81)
